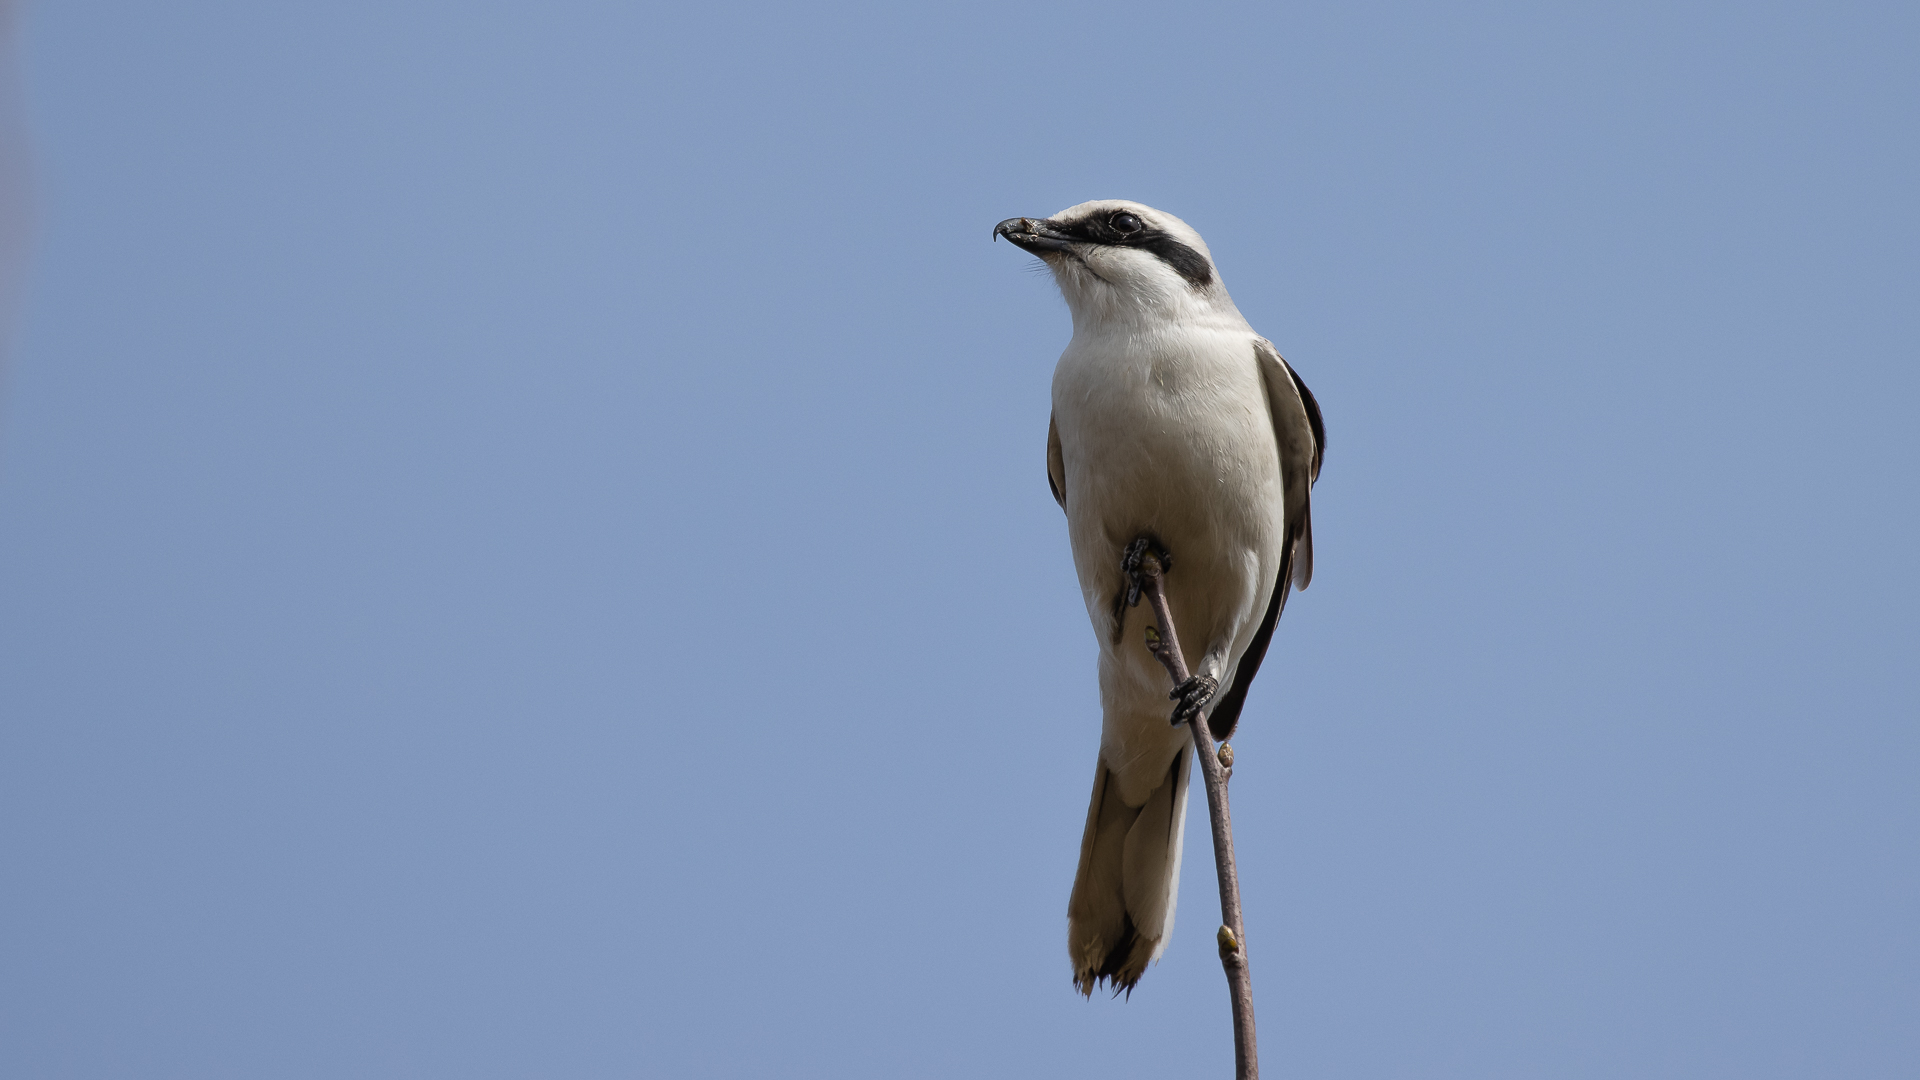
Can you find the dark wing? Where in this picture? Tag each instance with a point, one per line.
(1302, 439)
(1056, 464)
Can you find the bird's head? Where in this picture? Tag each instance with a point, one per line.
(1120, 260)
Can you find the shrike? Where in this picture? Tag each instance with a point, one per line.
(1172, 420)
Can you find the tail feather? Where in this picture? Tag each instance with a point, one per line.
(1124, 895)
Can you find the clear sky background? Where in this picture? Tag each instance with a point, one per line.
(524, 548)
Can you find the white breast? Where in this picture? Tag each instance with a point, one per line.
(1169, 434)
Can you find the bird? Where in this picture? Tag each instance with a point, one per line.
(1174, 426)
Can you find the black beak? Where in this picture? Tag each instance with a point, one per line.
(1032, 234)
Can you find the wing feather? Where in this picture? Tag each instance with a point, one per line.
(1301, 437)
(1056, 464)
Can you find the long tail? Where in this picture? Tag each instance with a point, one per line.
(1121, 913)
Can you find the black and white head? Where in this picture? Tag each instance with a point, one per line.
(1120, 259)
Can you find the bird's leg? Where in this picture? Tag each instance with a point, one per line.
(1198, 691)
(1135, 564)
(1193, 696)
(1145, 563)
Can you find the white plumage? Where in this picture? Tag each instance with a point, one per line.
(1171, 419)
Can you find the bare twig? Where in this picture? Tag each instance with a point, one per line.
(1214, 767)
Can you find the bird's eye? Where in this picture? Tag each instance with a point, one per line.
(1124, 222)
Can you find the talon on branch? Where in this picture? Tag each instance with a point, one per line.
(1144, 558)
(1193, 696)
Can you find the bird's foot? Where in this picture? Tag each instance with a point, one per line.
(1193, 696)
(1143, 558)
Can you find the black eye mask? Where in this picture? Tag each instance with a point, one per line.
(1124, 229)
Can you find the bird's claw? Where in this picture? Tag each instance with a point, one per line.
(1134, 565)
(1193, 696)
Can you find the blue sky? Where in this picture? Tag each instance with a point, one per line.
(524, 548)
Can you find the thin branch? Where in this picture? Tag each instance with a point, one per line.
(1214, 767)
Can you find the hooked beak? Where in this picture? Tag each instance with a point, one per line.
(1037, 235)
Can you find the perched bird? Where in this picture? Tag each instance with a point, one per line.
(1174, 422)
